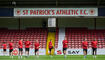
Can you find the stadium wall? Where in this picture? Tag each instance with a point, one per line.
(10, 23)
(81, 23)
(76, 22)
(13, 23)
(32, 22)
(100, 23)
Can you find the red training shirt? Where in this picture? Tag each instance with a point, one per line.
(65, 43)
(27, 44)
(20, 44)
(11, 45)
(50, 44)
(85, 44)
(4, 46)
(94, 44)
(36, 45)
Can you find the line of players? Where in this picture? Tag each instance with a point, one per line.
(37, 46)
(20, 47)
(94, 44)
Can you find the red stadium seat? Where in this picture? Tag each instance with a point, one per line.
(31, 34)
(76, 37)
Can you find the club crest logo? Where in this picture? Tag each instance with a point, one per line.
(92, 11)
(18, 12)
(59, 52)
(15, 52)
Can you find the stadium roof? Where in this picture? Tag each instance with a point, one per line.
(52, 3)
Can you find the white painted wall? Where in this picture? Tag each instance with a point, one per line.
(61, 38)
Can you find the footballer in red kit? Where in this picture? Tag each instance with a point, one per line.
(4, 48)
(94, 47)
(65, 42)
(20, 48)
(36, 45)
(11, 49)
(50, 46)
(85, 47)
(27, 46)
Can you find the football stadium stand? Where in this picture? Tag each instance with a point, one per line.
(76, 35)
(31, 34)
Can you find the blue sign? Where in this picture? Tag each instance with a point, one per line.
(6, 12)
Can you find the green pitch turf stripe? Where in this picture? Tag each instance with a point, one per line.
(56, 57)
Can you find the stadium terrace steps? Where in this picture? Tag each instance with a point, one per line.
(61, 38)
(51, 35)
(76, 36)
(56, 37)
(30, 34)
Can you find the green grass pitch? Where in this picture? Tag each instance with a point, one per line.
(56, 57)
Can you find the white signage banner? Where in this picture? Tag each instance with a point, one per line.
(80, 51)
(55, 11)
(57, 52)
(31, 52)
